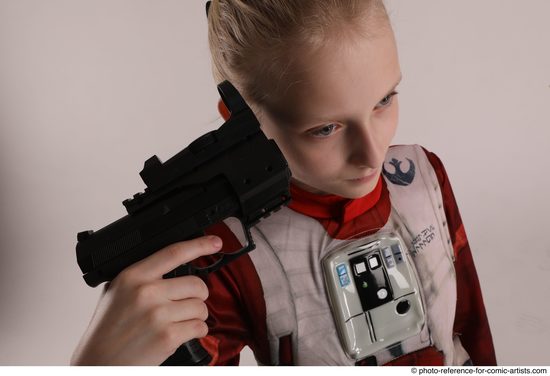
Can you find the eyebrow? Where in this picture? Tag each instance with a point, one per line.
(393, 87)
(387, 93)
(304, 127)
(397, 83)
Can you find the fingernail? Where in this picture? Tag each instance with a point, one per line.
(216, 242)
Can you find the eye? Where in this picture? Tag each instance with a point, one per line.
(325, 131)
(387, 100)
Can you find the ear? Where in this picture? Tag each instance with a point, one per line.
(222, 109)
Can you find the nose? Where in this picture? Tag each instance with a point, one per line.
(365, 150)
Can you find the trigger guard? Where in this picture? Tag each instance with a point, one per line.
(228, 257)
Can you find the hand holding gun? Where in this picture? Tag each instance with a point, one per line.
(234, 171)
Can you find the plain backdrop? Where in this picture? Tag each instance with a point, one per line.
(89, 89)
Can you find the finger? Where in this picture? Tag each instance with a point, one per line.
(179, 333)
(172, 256)
(191, 329)
(185, 287)
(179, 311)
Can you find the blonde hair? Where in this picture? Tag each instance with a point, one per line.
(251, 40)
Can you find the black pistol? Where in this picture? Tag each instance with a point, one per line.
(234, 171)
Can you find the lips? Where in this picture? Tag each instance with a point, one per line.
(364, 179)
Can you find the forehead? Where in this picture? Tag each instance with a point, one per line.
(341, 78)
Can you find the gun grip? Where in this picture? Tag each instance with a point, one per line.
(191, 353)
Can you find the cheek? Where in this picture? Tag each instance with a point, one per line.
(390, 133)
(305, 160)
(395, 117)
(310, 160)
(388, 126)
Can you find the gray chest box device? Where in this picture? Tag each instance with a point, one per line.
(373, 293)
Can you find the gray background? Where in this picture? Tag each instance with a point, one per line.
(90, 89)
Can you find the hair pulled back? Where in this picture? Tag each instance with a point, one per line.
(252, 41)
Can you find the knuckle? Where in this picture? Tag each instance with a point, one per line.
(125, 278)
(155, 317)
(174, 251)
(144, 294)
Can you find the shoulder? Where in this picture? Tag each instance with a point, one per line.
(452, 212)
(434, 160)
